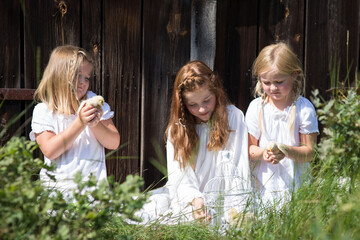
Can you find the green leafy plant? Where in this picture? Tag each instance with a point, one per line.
(30, 211)
(339, 151)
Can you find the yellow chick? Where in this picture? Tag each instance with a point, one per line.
(272, 146)
(284, 149)
(233, 216)
(237, 219)
(96, 101)
(277, 148)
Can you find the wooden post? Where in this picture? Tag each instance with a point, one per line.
(203, 31)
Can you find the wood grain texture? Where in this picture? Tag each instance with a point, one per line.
(236, 44)
(121, 53)
(16, 94)
(10, 66)
(282, 21)
(48, 24)
(326, 37)
(166, 47)
(203, 31)
(10, 45)
(91, 37)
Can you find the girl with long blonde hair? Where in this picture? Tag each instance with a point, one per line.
(282, 124)
(72, 135)
(202, 125)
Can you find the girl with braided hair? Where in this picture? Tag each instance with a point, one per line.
(71, 138)
(202, 125)
(282, 124)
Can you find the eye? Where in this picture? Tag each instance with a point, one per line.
(83, 78)
(266, 83)
(279, 82)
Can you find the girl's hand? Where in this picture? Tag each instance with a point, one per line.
(273, 157)
(90, 115)
(96, 119)
(199, 209)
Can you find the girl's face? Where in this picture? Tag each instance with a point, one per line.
(277, 86)
(200, 103)
(84, 78)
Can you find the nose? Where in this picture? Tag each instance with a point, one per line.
(202, 109)
(82, 80)
(273, 87)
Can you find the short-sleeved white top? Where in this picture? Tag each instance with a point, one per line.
(86, 154)
(282, 176)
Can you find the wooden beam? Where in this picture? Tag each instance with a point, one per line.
(17, 94)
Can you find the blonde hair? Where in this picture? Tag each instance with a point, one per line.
(181, 126)
(58, 85)
(281, 56)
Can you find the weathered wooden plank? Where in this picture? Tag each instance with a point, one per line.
(121, 53)
(10, 67)
(327, 25)
(91, 37)
(203, 31)
(47, 24)
(16, 94)
(10, 44)
(166, 47)
(236, 44)
(282, 21)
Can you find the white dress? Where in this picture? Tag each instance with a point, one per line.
(184, 185)
(273, 182)
(86, 154)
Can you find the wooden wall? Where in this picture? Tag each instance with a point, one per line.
(139, 45)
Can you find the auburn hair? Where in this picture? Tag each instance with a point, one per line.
(59, 82)
(181, 127)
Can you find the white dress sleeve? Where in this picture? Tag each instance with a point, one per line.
(252, 118)
(182, 183)
(238, 144)
(42, 120)
(308, 119)
(107, 113)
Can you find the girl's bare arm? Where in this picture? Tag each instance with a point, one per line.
(305, 152)
(53, 145)
(107, 134)
(255, 152)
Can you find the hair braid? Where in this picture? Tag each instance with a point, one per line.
(72, 72)
(181, 101)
